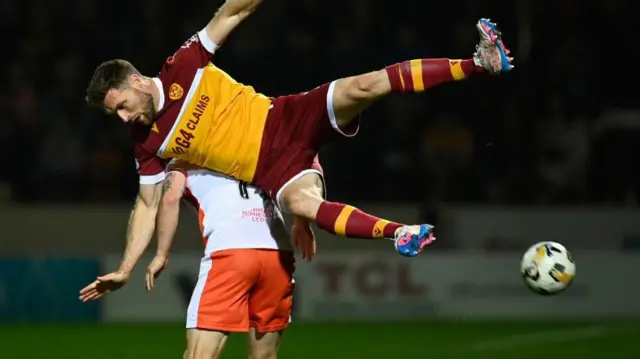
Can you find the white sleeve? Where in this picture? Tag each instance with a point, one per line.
(206, 42)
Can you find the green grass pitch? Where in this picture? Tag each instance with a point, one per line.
(411, 340)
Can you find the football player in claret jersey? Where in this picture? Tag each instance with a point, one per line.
(195, 112)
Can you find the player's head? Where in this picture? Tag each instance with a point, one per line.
(119, 88)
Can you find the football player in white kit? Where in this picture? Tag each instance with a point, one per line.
(246, 281)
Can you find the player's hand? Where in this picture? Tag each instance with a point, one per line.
(157, 265)
(104, 285)
(304, 238)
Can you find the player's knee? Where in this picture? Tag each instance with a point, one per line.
(303, 197)
(204, 344)
(171, 198)
(263, 353)
(353, 94)
(201, 352)
(303, 203)
(361, 88)
(264, 345)
(268, 350)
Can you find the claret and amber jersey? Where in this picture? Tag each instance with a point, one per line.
(204, 117)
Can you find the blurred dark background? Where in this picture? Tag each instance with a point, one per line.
(548, 152)
(563, 128)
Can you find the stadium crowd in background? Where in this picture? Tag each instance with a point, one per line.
(555, 131)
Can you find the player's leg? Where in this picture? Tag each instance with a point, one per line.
(204, 344)
(264, 345)
(219, 303)
(352, 95)
(271, 302)
(304, 197)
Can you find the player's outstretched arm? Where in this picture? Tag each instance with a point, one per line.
(228, 17)
(167, 223)
(139, 233)
(169, 212)
(141, 224)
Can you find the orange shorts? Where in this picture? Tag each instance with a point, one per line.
(242, 288)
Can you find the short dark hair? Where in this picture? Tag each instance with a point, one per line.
(112, 74)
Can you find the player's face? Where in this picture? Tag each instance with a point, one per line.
(132, 105)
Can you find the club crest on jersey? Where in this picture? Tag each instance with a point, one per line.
(175, 91)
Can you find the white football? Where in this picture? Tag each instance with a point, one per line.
(547, 268)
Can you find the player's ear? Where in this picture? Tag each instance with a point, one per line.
(137, 81)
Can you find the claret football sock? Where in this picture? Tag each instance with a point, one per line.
(348, 221)
(419, 75)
